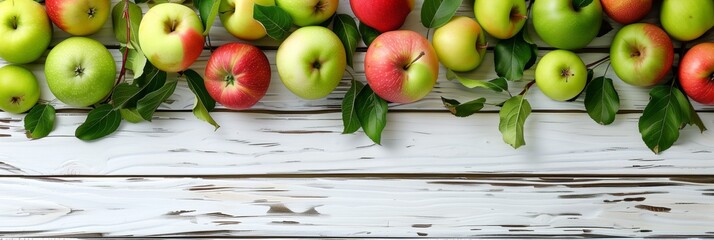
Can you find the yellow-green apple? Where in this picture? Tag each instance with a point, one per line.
(237, 18)
(696, 73)
(561, 25)
(561, 75)
(80, 71)
(19, 90)
(626, 11)
(79, 17)
(26, 31)
(237, 75)
(383, 15)
(460, 44)
(171, 36)
(308, 12)
(501, 19)
(311, 62)
(401, 66)
(119, 22)
(641, 54)
(687, 20)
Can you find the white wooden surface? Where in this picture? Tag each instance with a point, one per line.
(283, 169)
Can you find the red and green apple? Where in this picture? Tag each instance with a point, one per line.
(237, 75)
(170, 36)
(641, 54)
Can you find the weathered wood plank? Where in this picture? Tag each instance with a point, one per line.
(176, 143)
(280, 98)
(348, 207)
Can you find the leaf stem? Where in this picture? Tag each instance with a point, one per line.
(598, 62)
(528, 86)
(122, 72)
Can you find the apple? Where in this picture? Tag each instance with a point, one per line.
(308, 12)
(641, 54)
(237, 75)
(503, 18)
(119, 22)
(559, 24)
(460, 44)
(311, 62)
(383, 15)
(79, 17)
(561, 75)
(171, 37)
(26, 31)
(696, 73)
(237, 17)
(19, 90)
(401, 66)
(626, 11)
(80, 71)
(687, 20)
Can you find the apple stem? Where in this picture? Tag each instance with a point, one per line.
(14, 22)
(482, 46)
(421, 54)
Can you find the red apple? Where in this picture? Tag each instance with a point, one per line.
(401, 66)
(696, 73)
(237, 75)
(626, 11)
(79, 17)
(383, 15)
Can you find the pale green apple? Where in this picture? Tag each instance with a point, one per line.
(80, 71)
(641, 54)
(237, 18)
(119, 22)
(501, 18)
(561, 75)
(171, 36)
(308, 12)
(686, 20)
(559, 24)
(19, 90)
(26, 31)
(460, 44)
(311, 62)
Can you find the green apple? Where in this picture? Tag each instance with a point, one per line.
(79, 17)
(119, 22)
(171, 36)
(311, 62)
(80, 71)
(460, 44)
(237, 18)
(561, 75)
(19, 90)
(687, 20)
(401, 66)
(501, 18)
(26, 31)
(561, 25)
(641, 54)
(308, 12)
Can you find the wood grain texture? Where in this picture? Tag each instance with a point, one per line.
(176, 143)
(335, 207)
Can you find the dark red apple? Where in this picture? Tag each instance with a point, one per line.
(237, 75)
(383, 15)
(696, 73)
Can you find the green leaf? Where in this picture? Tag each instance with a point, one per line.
(463, 109)
(372, 113)
(208, 10)
(513, 116)
(152, 80)
(513, 55)
(368, 33)
(497, 85)
(204, 103)
(602, 101)
(123, 93)
(136, 62)
(661, 119)
(579, 4)
(695, 119)
(346, 30)
(101, 121)
(350, 121)
(40, 121)
(149, 103)
(131, 115)
(276, 21)
(436, 13)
